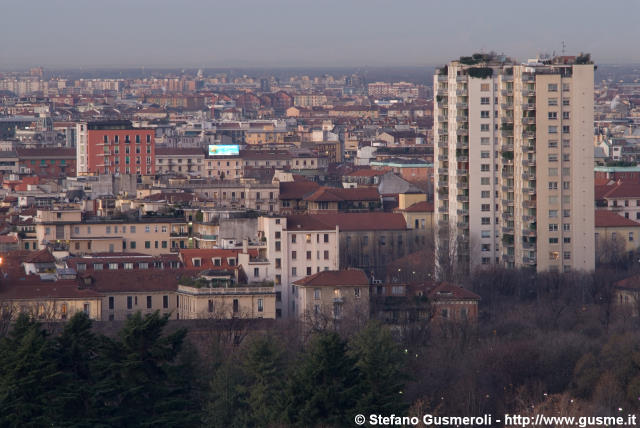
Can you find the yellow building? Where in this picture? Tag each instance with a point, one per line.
(329, 296)
(615, 232)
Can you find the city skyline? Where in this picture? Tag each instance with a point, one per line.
(281, 33)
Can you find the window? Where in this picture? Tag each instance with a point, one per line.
(485, 87)
(553, 129)
(149, 302)
(128, 265)
(484, 114)
(565, 87)
(553, 115)
(316, 294)
(566, 185)
(111, 302)
(565, 101)
(484, 141)
(256, 272)
(294, 271)
(485, 207)
(553, 227)
(566, 255)
(551, 102)
(326, 237)
(484, 127)
(278, 264)
(554, 255)
(260, 305)
(293, 238)
(132, 244)
(277, 245)
(129, 302)
(566, 129)
(485, 167)
(552, 87)
(485, 100)
(108, 229)
(553, 240)
(326, 255)
(484, 181)
(86, 308)
(553, 172)
(566, 213)
(308, 238)
(553, 157)
(485, 247)
(132, 229)
(147, 244)
(553, 213)
(165, 302)
(565, 115)
(147, 229)
(485, 194)
(553, 144)
(567, 240)
(553, 185)
(486, 220)
(210, 306)
(308, 255)
(566, 227)
(485, 234)
(356, 292)
(294, 255)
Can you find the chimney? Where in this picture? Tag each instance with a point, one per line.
(245, 246)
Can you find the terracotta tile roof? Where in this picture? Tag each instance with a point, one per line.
(42, 256)
(115, 281)
(420, 207)
(448, 291)
(348, 221)
(365, 173)
(606, 218)
(334, 194)
(620, 189)
(47, 152)
(31, 287)
(206, 257)
(332, 278)
(630, 283)
(297, 189)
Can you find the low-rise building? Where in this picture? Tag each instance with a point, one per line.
(184, 161)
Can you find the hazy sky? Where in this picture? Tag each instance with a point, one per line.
(195, 33)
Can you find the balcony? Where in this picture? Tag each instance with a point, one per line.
(463, 198)
(507, 230)
(529, 260)
(507, 92)
(528, 176)
(462, 211)
(462, 106)
(462, 225)
(528, 93)
(461, 78)
(442, 77)
(443, 209)
(463, 131)
(443, 131)
(462, 158)
(443, 183)
(463, 184)
(507, 258)
(462, 171)
(443, 144)
(506, 119)
(180, 233)
(442, 92)
(462, 118)
(443, 158)
(507, 77)
(528, 106)
(506, 147)
(529, 204)
(507, 133)
(528, 218)
(529, 245)
(528, 77)
(528, 162)
(507, 216)
(462, 145)
(506, 106)
(462, 92)
(508, 188)
(442, 118)
(443, 171)
(507, 174)
(529, 148)
(529, 134)
(507, 202)
(529, 190)
(442, 105)
(528, 120)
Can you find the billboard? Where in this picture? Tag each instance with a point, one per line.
(224, 150)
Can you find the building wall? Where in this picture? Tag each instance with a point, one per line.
(121, 310)
(320, 302)
(101, 158)
(193, 303)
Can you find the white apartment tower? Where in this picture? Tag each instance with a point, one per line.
(514, 160)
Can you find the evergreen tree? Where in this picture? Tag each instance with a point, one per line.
(226, 403)
(140, 384)
(28, 374)
(381, 363)
(263, 368)
(324, 385)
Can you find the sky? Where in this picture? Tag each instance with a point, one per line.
(307, 33)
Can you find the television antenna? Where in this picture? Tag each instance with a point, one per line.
(563, 46)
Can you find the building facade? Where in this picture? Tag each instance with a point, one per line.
(514, 163)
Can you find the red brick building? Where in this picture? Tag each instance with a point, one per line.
(115, 147)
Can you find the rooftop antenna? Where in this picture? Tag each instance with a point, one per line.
(563, 46)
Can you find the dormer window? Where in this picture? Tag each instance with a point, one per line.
(196, 262)
(231, 261)
(217, 261)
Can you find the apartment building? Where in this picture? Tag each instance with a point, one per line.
(296, 248)
(114, 147)
(185, 160)
(514, 158)
(80, 234)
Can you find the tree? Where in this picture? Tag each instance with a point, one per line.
(324, 384)
(381, 364)
(263, 366)
(28, 375)
(140, 382)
